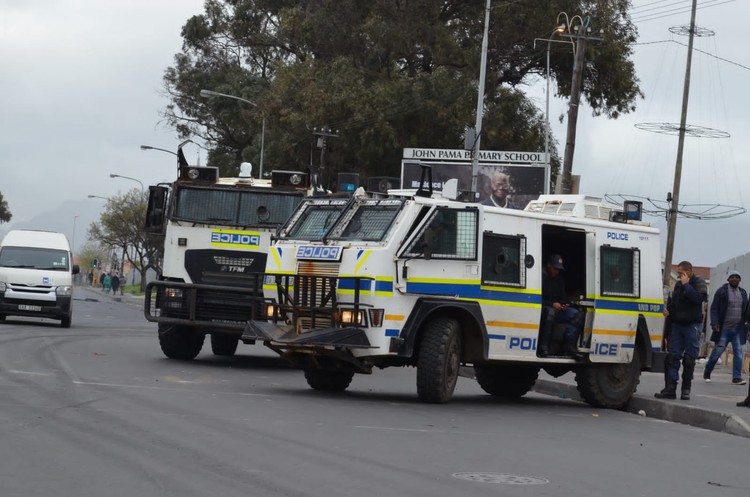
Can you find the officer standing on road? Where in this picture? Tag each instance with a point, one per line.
(685, 310)
(728, 315)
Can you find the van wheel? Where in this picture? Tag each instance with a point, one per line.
(328, 381)
(224, 345)
(180, 342)
(2, 318)
(506, 381)
(609, 385)
(66, 321)
(439, 361)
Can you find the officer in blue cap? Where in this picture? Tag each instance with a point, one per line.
(555, 297)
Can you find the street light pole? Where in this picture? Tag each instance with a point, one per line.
(112, 175)
(559, 29)
(73, 248)
(149, 147)
(210, 93)
(97, 196)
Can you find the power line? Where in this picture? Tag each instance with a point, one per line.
(652, 16)
(696, 50)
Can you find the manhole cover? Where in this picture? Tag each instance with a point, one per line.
(501, 478)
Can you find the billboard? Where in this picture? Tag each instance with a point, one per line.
(500, 181)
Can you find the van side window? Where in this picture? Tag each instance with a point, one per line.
(449, 234)
(502, 258)
(620, 272)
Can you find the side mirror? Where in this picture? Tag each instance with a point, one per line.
(156, 210)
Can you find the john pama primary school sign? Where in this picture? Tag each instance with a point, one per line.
(526, 172)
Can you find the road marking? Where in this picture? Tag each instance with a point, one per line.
(152, 387)
(29, 373)
(388, 428)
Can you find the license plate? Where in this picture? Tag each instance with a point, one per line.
(30, 308)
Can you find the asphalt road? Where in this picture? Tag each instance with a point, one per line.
(96, 410)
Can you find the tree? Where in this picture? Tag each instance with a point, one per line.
(121, 227)
(386, 74)
(5, 214)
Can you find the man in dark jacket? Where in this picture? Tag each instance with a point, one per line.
(728, 317)
(556, 298)
(685, 311)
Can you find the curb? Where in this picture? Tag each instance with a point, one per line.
(665, 410)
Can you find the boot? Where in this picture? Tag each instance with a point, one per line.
(669, 391)
(688, 368)
(746, 402)
(545, 332)
(570, 349)
(685, 393)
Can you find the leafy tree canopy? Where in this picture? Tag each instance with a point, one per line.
(5, 214)
(121, 227)
(383, 75)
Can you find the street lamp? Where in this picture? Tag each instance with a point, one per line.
(209, 93)
(73, 248)
(111, 175)
(149, 147)
(97, 196)
(559, 29)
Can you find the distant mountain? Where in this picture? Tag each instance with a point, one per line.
(63, 219)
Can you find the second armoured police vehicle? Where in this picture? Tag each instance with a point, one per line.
(216, 236)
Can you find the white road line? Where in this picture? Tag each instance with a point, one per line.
(387, 428)
(152, 387)
(29, 373)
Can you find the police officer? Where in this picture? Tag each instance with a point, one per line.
(685, 311)
(555, 297)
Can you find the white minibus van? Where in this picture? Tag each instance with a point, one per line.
(36, 275)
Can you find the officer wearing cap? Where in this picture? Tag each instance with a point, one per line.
(728, 318)
(555, 298)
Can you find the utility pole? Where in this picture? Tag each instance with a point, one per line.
(674, 204)
(575, 98)
(323, 135)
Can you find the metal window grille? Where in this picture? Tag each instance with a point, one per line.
(234, 207)
(313, 219)
(620, 272)
(502, 260)
(449, 234)
(369, 221)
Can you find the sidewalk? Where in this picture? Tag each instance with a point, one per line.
(712, 406)
(93, 293)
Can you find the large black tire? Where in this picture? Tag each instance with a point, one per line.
(224, 345)
(506, 380)
(609, 385)
(439, 361)
(2, 318)
(180, 342)
(328, 381)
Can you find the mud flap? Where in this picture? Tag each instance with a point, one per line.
(659, 362)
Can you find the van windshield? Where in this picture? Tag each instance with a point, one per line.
(34, 258)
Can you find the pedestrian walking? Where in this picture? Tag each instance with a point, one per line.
(685, 312)
(728, 318)
(107, 283)
(115, 283)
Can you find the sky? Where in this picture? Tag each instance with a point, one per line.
(81, 90)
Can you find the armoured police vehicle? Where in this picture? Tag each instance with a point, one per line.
(217, 233)
(421, 279)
